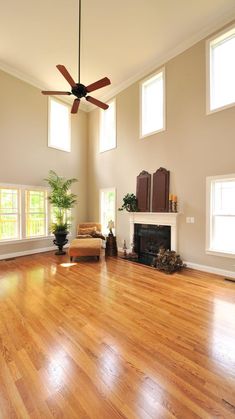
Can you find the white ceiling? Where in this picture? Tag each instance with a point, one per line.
(121, 39)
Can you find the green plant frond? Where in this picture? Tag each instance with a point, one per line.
(60, 198)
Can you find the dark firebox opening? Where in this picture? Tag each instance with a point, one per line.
(148, 239)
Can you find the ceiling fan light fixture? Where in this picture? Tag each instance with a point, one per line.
(78, 89)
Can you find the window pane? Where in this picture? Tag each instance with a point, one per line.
(107, 209)
(153, 104)
(222, 52)
(35, 213)
(9, 217)
(35, 225)
(59, 125)
(8, 200)
(8, 227)
(108, 128)
(224, 198)
(223, 234)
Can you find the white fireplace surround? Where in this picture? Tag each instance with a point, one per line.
(156, 218)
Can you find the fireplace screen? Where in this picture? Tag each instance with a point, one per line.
(148, 239)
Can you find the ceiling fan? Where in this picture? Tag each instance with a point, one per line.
(78, 89)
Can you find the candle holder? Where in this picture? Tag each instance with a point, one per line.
(174, 206)
(170, 205)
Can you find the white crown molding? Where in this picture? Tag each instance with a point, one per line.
(223, 20)
(226, 19)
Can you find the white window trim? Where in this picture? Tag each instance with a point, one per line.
(110, 189)
(209, 181)
(221, 35)
(115, 126)
(49, 121)
(161, 70)
(22, 231)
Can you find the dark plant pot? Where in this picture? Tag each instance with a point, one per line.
(60, 241)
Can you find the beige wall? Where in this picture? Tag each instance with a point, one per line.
(193, 146)
(25, 157)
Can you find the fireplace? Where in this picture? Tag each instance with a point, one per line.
(149, 239)
(151, 230)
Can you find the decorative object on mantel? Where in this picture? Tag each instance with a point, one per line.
(168, 261)
(143, 187)
(129, 203)
(172, 203)
(160, 199)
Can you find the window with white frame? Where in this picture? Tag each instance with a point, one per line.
(35, 213)
(221, 214)
(107, 208)
(152, 103)
(9, 214)
(59, 125)
(23, 212)
(221, 70)
(108, 127)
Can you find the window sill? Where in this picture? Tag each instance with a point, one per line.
(220, 253)
(220, 108)
(152, 133)
(32, 239)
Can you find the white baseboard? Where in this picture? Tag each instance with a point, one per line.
(210, 269)
(29, 252)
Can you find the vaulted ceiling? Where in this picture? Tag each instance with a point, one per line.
(121, 39)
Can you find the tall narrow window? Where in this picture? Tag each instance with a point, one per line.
(9, 214)
(35, 213)
(107, 208)
(221, 52)
(108, 127)
(152, 105)
(221, 214)
(59, 132)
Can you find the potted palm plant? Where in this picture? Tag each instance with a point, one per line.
(62, 200)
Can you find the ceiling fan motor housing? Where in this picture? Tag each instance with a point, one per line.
(79, 90)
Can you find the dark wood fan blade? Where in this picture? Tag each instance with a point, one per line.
(75, 106)
(66, 75)
(54, 92)
(98, 84)
(97, 102)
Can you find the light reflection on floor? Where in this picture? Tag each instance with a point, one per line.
(56, 370)
(110, 367)
(223, 335)
(68, 264)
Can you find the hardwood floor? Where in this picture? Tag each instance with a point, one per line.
(114, 340)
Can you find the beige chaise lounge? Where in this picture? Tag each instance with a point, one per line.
(85, 246)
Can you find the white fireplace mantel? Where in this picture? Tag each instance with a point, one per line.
(156, 218)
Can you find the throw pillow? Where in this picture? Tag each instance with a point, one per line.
(87, 230)
(98, 235)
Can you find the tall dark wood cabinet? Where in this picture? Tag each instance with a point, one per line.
(143, 189)
(161, 180)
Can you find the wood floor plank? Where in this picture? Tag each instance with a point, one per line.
(114, 339)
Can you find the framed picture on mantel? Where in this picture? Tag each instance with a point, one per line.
(161, 181)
